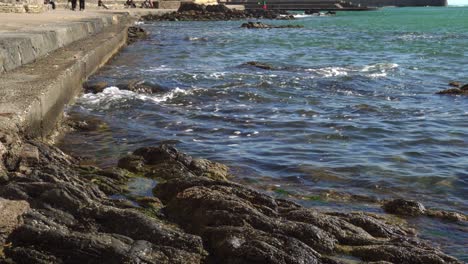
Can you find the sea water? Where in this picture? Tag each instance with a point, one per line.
(349, 106)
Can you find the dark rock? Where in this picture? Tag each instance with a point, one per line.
(189, 6)
(447, 215)
(287, 17)
(142, 86)
(95, 86)
(136, 33)
(461, 90)
(193, 12)
(260, 25)
(260, 65)
(454, 91)
(404, 207)
(217, 9)
(402, 254)
(132, 163)
(167, 162)
(455, 84)
(194, 219)
(240, 225)
(81, 122)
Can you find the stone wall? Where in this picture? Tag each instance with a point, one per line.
(22, 6)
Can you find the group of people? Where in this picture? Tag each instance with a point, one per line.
(128, 4)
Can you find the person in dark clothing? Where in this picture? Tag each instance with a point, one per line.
(73, 5)
(82, 5)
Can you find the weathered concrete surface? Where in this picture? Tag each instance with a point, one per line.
(33, 96)
(43, 34)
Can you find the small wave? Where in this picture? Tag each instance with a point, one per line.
(330, 71)
(415, 36)
(160, 68)
(380, 67)
(302, 16)
(374, 70)
(196, 39)
(111, 96)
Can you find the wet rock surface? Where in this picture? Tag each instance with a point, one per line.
(260, 25)
(240, 225)
(72, 219)
(194, 12)
(458, 89)
(136, 33)
(95, 86)
(197, 216)
(259, 65)
(404, 207)
(413, 208)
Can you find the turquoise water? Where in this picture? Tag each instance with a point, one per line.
(349, 105)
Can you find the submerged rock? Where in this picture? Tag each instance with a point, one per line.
(455, 84)
(260, 65)
(260, 25)
(460, 90)
(141, 86)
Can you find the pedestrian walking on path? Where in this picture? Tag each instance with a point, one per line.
(82, 5)
(73, 3)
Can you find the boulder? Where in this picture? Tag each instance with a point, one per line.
(136, 33)
(404, 207)
(166, 162)
(95, 86)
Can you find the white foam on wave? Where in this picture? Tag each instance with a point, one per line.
(302, 16)
(376, 70)
(113, 95)
(160, 68)
(330, 71)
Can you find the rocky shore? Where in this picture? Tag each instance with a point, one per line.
(54, 209)
(194, 12)
(57, 211)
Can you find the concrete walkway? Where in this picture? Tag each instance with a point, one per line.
(44, 58)
(27, 37)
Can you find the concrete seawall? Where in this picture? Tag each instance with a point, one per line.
(34, 95)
